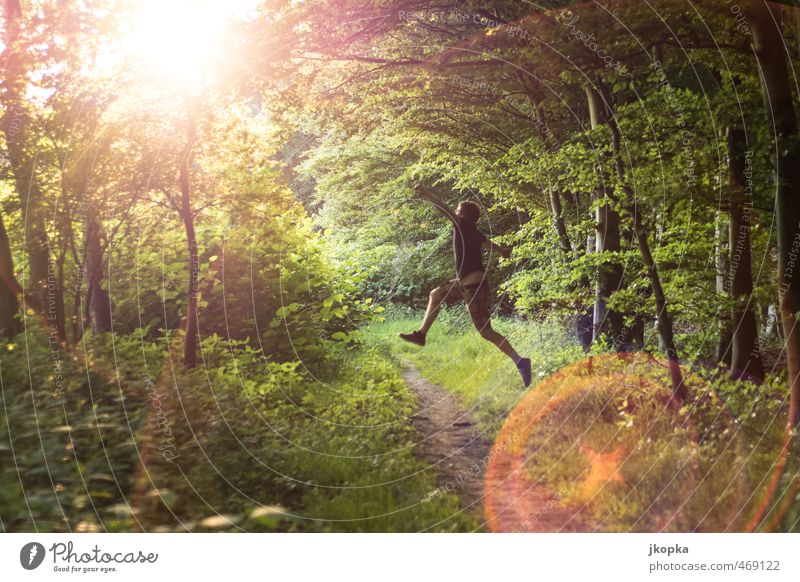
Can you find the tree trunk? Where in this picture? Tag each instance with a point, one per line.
(98, 301)
(723, 315)
(76, 306)
(77, 292)
(663, 318)
(190, 345)
(583, 321)
(607, 239)
(62, 256)
(745, 352)
(45, 294)
(9, 289)
(771, 321)
(782, 123)
(558, 222)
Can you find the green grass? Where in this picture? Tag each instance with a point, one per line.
(383, 489)
(606, 440)
(483, 378)
(259, 446)
(725, 474)
(336, 452)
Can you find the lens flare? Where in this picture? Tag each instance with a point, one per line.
(596, 447)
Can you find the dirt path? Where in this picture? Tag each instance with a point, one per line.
(451, 442)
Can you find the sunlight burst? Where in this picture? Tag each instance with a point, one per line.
(182, 41)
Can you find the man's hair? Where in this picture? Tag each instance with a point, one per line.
(471, 210)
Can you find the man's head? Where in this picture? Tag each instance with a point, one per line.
(469, 210)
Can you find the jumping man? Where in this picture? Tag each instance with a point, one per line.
(470, 282)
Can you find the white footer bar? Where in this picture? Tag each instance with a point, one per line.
(417, 557)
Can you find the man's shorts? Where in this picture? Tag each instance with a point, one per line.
(477, 297)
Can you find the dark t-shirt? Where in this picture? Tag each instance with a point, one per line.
(467, 240)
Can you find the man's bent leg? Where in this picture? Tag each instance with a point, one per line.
(502, 343)
(435, 300)
(523, 364)
(478, 306)
(477, 298)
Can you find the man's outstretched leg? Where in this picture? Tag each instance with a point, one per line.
(477, 298)
(435, 300)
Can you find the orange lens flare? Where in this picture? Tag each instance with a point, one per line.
(596, 447)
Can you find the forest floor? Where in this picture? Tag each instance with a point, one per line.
(466, 392)
(451, 441)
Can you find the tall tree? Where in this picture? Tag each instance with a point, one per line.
(721, 264)
(663, 316)
(745, 349)
(9, 288)
(607, 240)
(98, 302)
(187, 217)
(776, 88)
(45, 294)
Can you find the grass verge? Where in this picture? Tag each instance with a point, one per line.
(734, 442)
(238, 444)
(482, 377)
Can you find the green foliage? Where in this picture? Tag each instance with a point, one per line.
(483, 378)
(71, 434)
(298, 185)
(265, 445)
(719, 451)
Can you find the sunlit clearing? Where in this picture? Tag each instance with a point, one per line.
(181, 41)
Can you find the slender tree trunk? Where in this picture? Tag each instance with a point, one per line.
(62, 256)
(77, 292)
(192, 332)
(44, 294)
(607, 240)
(55, 294)
(772, 321)
(9, 288)
(99, 303)
(745, 352)
(583, 321)
(76, 306)
(663, 318)
(776, 89)
(723, 288)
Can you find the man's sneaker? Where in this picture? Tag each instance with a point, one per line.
(416, 337)
(524, 367)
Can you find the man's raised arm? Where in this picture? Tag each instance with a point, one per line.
(504, 252)
(423, 193)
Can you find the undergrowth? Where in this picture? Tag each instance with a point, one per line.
(120, 437)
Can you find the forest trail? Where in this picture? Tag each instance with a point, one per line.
(451, 441)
